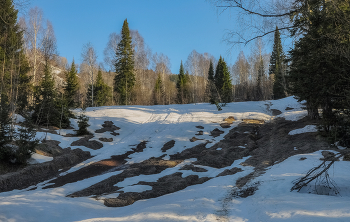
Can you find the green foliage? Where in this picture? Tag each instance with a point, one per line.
(72, 86)
(6, 131)
(14, 68)
(182, 86)
(124, 80)
(102, 92)
(83, 124)
(223, 82)
(277, 67)
(50, 108)
(25, 141)
(211, 84)
(320, 64)
(158, 91)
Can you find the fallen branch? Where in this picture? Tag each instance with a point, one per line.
(318, 173)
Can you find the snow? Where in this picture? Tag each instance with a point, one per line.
(306, 129)
(210, 201)
(37, 158)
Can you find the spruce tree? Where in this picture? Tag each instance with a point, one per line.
(49, 106)
(226, 90)
(223, 82)
(158, 90)
(211, 84)
(102, 91)
(124, 80)
(182, 86)
(15, 84)
(277, 67)
(71, 87)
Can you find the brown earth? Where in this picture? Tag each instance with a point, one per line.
(85, 141)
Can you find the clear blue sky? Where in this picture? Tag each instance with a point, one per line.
(171, 27)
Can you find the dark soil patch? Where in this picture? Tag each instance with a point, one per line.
(216, 132)
(276, 112)
(232, 171)
(147, 167)
(289, 108)
(34, 174)
(107, 126)
(103, 139)
(85, 141)
(49, 148)
(200, 127)
(96, 169)
(115, 134)
(193, 168)
(168, 145)
(165, 185)
(225, 125)
(245, 191)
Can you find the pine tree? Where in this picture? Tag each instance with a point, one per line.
(125, 78)
(277, 67)
(71, 87)
(182, 86)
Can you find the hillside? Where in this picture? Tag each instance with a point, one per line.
(179, 163)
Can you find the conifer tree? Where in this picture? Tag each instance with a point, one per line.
(223, 82)
(15, 86)
(72, 86)
(211, 84)
(277, 67)
(124, 80)
(102, 90)
(158, 90)
(226, 90)
(182, 86)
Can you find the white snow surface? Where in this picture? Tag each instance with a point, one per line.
(209, 201)
(306, 129)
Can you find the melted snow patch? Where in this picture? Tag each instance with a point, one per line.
(306, 129)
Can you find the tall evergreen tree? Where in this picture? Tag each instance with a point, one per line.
(182, 86)
(71, 87)
(158, 90)
(102, 90)
(125, 78)
(223, 81)
(277, 67)
(212, 91)
(15, 87)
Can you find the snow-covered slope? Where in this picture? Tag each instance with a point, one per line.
(210, 201)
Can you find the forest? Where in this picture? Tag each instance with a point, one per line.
(43, 86)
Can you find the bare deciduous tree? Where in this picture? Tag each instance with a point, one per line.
(90, 58)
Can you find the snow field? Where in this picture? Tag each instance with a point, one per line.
(210, 201)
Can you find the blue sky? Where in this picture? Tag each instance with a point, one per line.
(171, 27)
